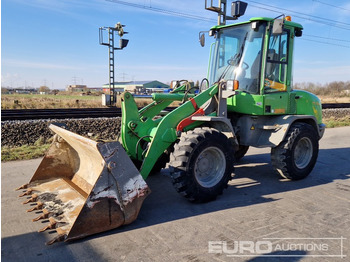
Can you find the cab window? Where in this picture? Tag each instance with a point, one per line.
(276, 63)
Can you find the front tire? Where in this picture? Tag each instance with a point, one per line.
(240, 153)
(202, 164)
(295, 157)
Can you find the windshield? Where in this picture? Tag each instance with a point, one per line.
(237, 56)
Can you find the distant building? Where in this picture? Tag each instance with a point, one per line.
(138, 87)
(76, 88)
(25, 90)
(95, 89)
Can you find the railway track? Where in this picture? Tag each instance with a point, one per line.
(335, 105)
(27, 114)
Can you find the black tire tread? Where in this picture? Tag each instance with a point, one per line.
(240, 153)
(280, 155)
(180, 157)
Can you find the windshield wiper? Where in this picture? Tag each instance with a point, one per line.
(238, 58)
(240, 54)
(224, 73)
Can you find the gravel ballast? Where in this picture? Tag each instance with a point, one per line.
(27, 132)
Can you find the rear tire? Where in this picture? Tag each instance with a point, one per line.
(295, 157)
(202, 164)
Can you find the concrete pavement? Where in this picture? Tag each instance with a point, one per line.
(307, 220)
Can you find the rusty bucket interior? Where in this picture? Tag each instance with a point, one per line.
(83, 187)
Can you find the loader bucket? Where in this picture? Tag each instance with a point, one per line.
(83, 187)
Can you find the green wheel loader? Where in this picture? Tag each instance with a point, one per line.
(84, 187)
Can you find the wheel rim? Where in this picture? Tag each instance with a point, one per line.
(210, 167)
(303, 153)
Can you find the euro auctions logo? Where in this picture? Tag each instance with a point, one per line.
(280, 247)
(240, 247)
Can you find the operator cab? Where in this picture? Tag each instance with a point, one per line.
(252, 54)
(237, 56)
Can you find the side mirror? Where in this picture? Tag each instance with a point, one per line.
(202, 39)
(123, 43)
(277, 28)
(238, 9)
(298, 33)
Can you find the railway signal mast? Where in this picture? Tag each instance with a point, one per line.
(110, 100)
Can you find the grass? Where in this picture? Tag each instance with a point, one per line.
(35, 101)
(39, 148)
(65, 96)
(69, 100)
(337, 122)
(24, 152)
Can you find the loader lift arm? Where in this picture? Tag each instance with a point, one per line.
(139, 126)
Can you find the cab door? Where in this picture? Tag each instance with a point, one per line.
(276, 82)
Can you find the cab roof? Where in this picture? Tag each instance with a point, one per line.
(267, 19)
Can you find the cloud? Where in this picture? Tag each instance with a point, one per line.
(163, 72)
(59, 5)
(53, 5)
(7, 78)
(158, 67)
(75, 9)
(38, 65)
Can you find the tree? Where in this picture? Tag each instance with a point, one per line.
(4, 90)
(44, 89)
(55, 91)
(197, 83)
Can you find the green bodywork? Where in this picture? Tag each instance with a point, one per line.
(140, 127)
(280, 102)
(253, 19)
(296, 102)
(146, 133)
(308, 104)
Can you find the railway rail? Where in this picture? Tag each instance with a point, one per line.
(28, 114)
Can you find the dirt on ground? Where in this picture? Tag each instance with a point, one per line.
(330, 99)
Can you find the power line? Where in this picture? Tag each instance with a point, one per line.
(342, 8)
(329, 38)
(189, 16)
(163, 11)
(324, 42)
(322, 20)
(288, 10)
(301, 17)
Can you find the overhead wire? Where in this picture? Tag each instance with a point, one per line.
(302, 17)
(313, 18)
(328, 38)
(322, 42)
(163, 11)
(296, 12)
(335, 6)
(278, 10)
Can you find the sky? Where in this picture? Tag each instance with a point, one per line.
(56, 42)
